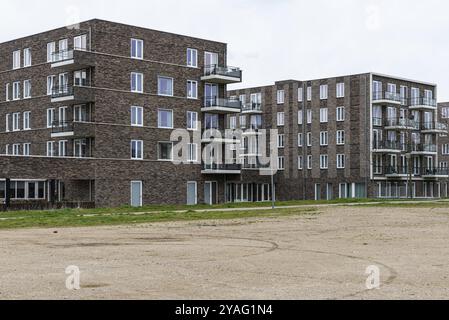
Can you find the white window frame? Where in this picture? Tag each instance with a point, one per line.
(309, 116)
(340, 90)
(193, 53)
(50, 148)
(341, 116)
(300, 117)
(324, 162)
(27, 120)
(7, 122)
(62, 148)
(300, 94)
(27, 89)
(7, 91)
(341, 138)
(136, 76)
(300, 139)
(192, 155)
(324, 138)
(135, 112)
(309, 162)
(300, 163)
(192, 89)
(170, 94)
(50, 84)
(139, 152)
(232, 122)
(280, 119)
(281, 163)
(159, 151)
(324, 115)
(194, 115)
(281, 141)
(159, 119)
(138, 54)
(16, 56)
(280, 96)
(16, 121)
(324, 91)
(16, 149)
(51, 50)
(27, 60)
(82, 41)
(341, 161)
(309, 93)
(309, 139)
(26, 149)
(50, 117)
(16, 90)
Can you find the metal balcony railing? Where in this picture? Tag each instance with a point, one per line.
(401, 122)
(222, 167)
(64, 55)
(385, 95)
(67, 90)
(62, 126)
(377, 122)
(222, 102)
(435, 126)
(440, 171)
(423, 147)
(387, 145)
(253, 106)
(396, 170)
(214, 69)
(423, 102)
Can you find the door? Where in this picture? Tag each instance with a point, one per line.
(210, 94)
(136, 193)
(192, 193)
(377, 90)
(63, 82)
(329, 192)
(210, 192)
(317, 192)
(210, 61)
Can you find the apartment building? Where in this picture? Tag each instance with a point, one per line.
(356, 136)
(443, 148)
(87, 113)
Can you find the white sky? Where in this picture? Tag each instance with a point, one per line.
(277, 39)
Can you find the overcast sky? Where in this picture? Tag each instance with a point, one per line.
(277, 39)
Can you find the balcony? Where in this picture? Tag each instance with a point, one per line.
(384, 97)
(72, 129)
(220, 136)
(377, 122)
(74, 94)
(72, 60)
(418, 149)
(222, 75)
(396, 172)
(401, 124)
(434, 127)
(221, 106)
(423, 104)
(222, 169)
(387, 147)
(252, 108)
(435, 173)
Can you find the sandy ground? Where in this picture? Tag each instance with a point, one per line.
(306, 257)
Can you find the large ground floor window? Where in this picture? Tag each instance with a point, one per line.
(23, 190)
(248, 192)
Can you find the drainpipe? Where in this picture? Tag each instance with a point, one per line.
(7, 193)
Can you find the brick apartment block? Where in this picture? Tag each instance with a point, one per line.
(88, 113)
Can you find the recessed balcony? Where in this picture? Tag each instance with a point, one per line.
(385, 97)
(72, 129)
(422, 104)
(435, 173)
(222, 169)
(401, 124)
(387, 147)
(221, 106)
(71, 60)
(220, 136)
(78, 94)
(393, 172)
(434, 127)
(423, 149)
(252, 108)
(222, 75)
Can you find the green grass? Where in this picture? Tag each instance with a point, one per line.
(79, 218)
(414, 204)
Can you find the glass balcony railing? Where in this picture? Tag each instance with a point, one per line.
(252, 106)
(385, 95)
(231, 72)
(222, 102)
(429, 102)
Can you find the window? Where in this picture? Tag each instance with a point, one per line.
(27, 57)
(281, 139)
(62, 116)
(136, 49)
(136, 149)
(341, 158)
(15, 149)
(27, 89)
(340, 114)
(165, 152)
(63, 48)
(309, 139)
(165, 119)
(50, 148)
(280, 96)
(300, 162)
(309, 93)
(50, 84)
(309, 162)
(80, 148)
(300, 94)
(192, 120)
(445, 113)
(7, 149)
(80, 113)
(323, 92)
(192, 58)
(445, 149)
(26, 120)
(323, 138)
(26, 149)
(233, 122)
(192, 89)
(136, 82)
(164, 86)
(323, 115)
(281, 163)
(300, 117)
(280, 119)
(16, 90)
(193, 154)
(242, 99)
(323, 161)
(137, 116)
(80, 78)
(309, 116)
(50, 117)
(51, 49)
(80, 42)
(16, 121)
(340, 90)
(300, 139)
(391, 88)
(62, 148)
(340, 137)
(16, 59)
(242, 122)
(7, 88)
(7, 116)
(404, 94)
